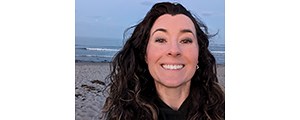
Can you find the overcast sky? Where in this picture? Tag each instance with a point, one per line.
(109, 18)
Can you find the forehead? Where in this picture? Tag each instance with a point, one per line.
(175, 22)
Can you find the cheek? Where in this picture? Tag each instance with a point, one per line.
(196, 55)
(192, 54)
(193, 58)
(150, 55)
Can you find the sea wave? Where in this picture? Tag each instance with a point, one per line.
(102, 49)
(220, 52)
(100, 56)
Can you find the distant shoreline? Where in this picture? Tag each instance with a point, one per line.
(82, 61)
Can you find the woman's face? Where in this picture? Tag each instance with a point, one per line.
(172, 51)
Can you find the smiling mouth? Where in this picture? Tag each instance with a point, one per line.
(172, 67)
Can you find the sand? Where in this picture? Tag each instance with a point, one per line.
(89, 84)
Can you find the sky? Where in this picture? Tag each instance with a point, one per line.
(110, 18)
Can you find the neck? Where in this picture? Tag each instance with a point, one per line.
(173, 96)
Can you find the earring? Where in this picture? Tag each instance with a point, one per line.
(197, 67)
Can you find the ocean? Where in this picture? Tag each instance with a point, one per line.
(89, 49)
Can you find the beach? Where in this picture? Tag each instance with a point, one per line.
(90, 84)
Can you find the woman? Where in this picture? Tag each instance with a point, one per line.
(165, 70)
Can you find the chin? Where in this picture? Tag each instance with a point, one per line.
(172, 83)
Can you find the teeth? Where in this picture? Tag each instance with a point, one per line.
(172, 67)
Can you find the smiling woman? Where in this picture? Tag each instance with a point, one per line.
(165, 70)
(172, 57)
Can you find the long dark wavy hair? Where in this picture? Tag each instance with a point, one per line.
(132, 90)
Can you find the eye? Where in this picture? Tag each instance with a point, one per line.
(160, 40)
(186, 40)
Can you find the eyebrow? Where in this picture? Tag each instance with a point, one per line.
(181, 31)
(186, 31)
(159, 29)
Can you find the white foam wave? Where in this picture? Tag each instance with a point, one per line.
(100, 56)
(220, 52)
(103, 49)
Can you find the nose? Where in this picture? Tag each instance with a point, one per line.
(174, 50)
